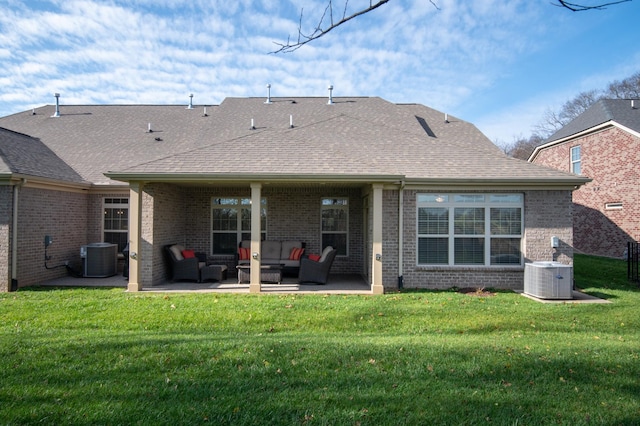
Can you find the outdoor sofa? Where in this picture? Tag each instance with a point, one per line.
(287, 253)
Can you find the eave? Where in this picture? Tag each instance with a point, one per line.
(585, 132)
(29, 181)
(569, 183)
(239, 178)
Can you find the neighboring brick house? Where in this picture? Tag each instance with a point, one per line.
(603, 144)
(408, 197)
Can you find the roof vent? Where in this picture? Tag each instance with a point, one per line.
(633, 104)
(291, 121)
(149, 129)
(253, 127)
(330, 95)
(204, 114)
(57, 113)
(446, 117)
(268, 101)
(190, 101)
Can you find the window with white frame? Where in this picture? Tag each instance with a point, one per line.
(335, 224)
(576, 160)
(116, 222)
(231, 223)
(469, 229)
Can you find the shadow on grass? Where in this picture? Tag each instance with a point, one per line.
(293, 379)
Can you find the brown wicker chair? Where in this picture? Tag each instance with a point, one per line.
(316, 272)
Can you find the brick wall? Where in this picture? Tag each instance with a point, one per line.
(546, 213)
(61, 215)
(609, 157)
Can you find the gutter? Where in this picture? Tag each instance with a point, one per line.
(400, 234)
(252, 177)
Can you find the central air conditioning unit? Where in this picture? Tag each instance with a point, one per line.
(548, 280)
(99, 260)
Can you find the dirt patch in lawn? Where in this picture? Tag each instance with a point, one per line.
(477, 292)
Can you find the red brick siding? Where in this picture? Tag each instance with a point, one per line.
(610, 157)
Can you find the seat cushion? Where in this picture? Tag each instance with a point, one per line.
(272, 250)
(176, 250)
(325, 253)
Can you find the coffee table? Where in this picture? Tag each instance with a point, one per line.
(268, 273)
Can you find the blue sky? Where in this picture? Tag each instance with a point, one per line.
(498, 64)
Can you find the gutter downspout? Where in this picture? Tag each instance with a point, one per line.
(400, 234)
(14, 235)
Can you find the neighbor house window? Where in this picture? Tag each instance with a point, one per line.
(335, 224)
(576, 160)
(469, 229)
(116, 222)
(231, 223)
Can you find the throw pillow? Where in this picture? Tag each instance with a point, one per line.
(296, 253)
(314, 257)
(243, 253)
(187, 254)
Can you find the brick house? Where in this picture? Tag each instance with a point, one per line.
(603, 143)
(424, 200)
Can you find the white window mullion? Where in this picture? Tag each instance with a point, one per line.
(452, 236)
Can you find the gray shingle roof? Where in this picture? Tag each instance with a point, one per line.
(23, 155)
(602, 111)
(356, 136)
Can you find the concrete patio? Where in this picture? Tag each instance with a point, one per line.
(338, 284)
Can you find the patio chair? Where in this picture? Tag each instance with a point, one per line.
(317, 272)
(179, 267)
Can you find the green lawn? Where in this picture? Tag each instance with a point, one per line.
(103, 356)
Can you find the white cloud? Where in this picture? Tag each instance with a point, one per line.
(159, 51)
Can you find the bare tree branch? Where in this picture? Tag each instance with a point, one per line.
(577, 7)
(319, 31)
(323, 27)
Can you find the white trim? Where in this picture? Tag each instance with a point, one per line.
(344, 207)
(599, 127)
(239, 206)
(448, 202)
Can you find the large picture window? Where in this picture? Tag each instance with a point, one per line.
(335, 224)
(469, 229)
(231, 223)
(116, 222)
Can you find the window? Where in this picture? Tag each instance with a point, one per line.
(116, 222)
(469, 229)
(231, 223)
(335, 224)
(576, 160)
